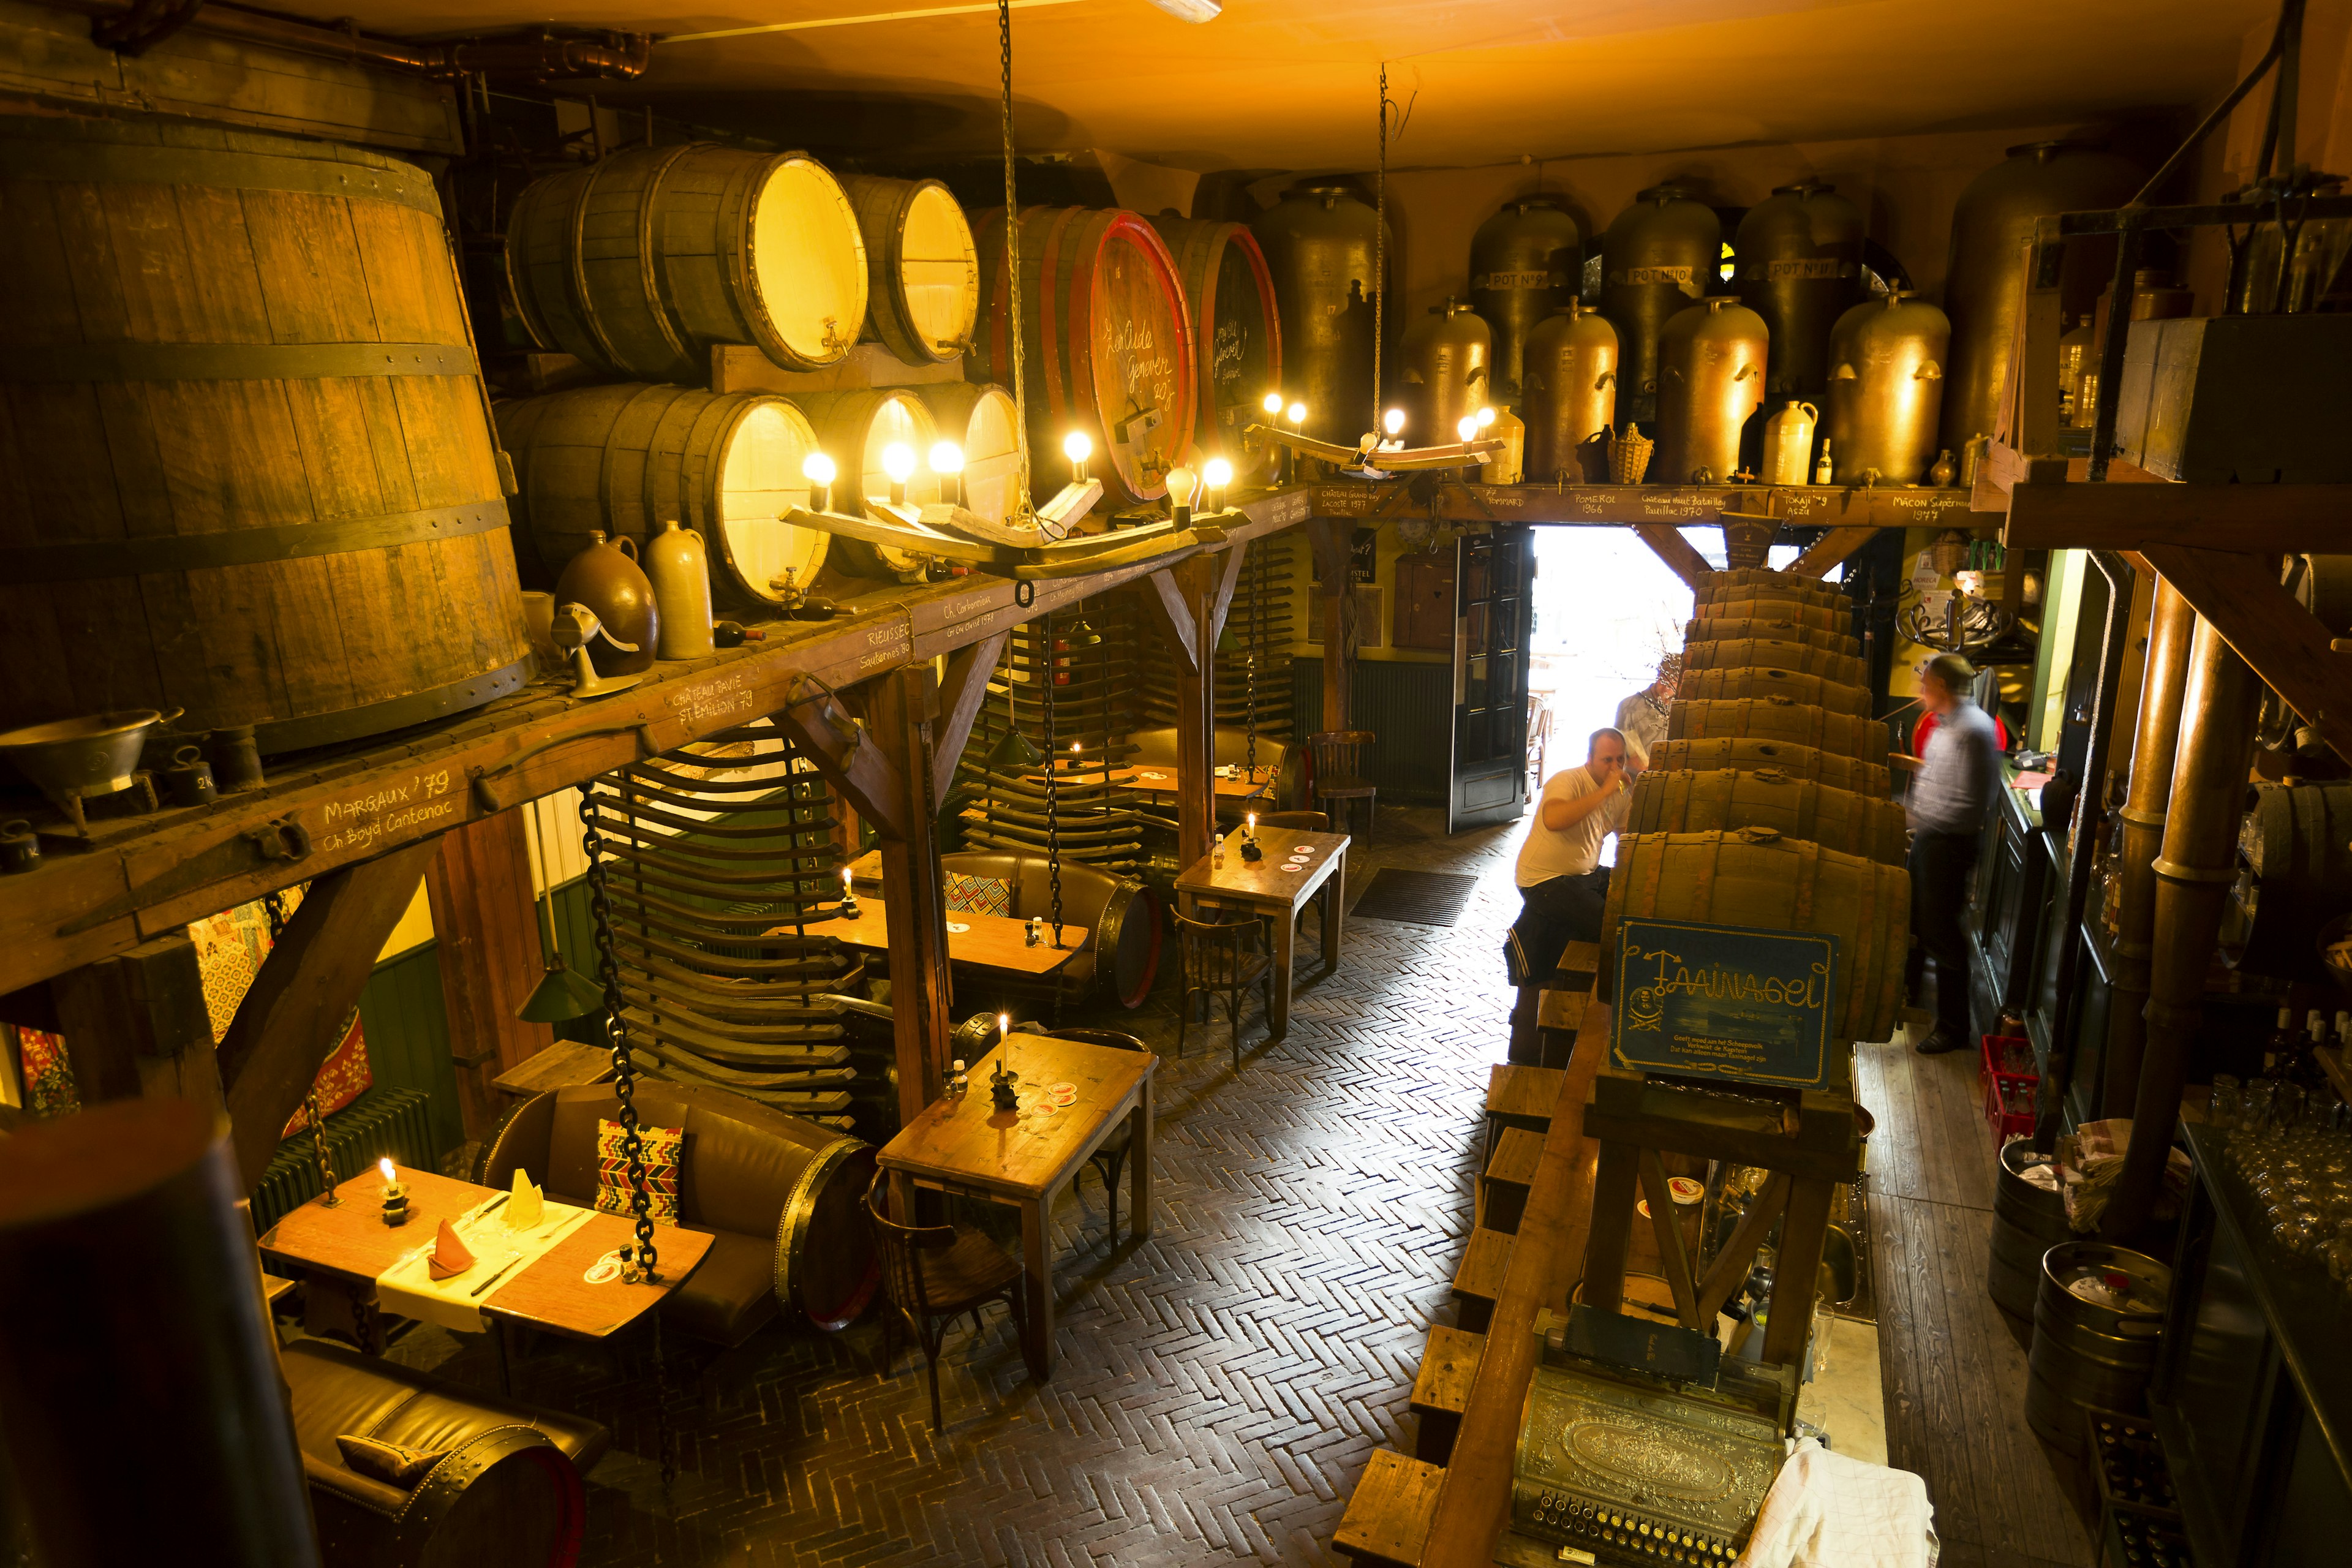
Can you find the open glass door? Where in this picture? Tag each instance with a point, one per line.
(1491, 622)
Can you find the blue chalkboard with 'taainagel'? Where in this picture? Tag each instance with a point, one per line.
(1730, 1002)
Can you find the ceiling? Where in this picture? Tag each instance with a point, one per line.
(1291, 83)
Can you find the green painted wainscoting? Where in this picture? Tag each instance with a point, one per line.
(1408, 705)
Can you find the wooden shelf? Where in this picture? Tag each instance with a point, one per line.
(1803, 506)
(139, 878)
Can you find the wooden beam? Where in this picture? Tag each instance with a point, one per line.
(486, 921)
(136, 1026)
(961, 696)
(1831, 549)
(1164, 597)
(293, 1015)
(1611, 506)
(836, 742)
(1329, 541)
(2283, 642)
(922, 986)
(1221, 600)
(1196, 720)
(1681, 559)
(2264, 519)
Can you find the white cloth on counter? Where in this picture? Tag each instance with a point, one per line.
(1829, 1510)
(409, 1289)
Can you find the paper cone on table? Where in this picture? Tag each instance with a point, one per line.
(523, 1209)
(448, 1256)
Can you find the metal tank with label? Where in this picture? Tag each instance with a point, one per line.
(1568, 394)
(1524, 262)
(1446, 360)
(1321, 245)
(1656, 258)
(1712, 359)
(1886, 389)
(1799, 259)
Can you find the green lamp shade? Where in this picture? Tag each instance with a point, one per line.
(1013, 752)
(562, 994)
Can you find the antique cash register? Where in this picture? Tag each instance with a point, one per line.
(1639, 1445)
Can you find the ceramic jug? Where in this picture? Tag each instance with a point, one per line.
(605, 577)
(1789, 442)
(680, 571)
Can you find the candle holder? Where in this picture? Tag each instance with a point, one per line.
(1250, 851)
(395, 1203)
(1001, 1088)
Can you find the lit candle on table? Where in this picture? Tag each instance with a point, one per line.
(849, 910)
(395, 1193)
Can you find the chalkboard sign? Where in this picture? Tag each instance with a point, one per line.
(1730, 1002)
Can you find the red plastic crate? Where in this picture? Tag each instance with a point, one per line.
(2009, 1085)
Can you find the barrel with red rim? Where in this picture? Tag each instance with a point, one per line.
(1236, 335)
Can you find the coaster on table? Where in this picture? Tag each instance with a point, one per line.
(957, 927)
(604, 1270)
(1062, 1093)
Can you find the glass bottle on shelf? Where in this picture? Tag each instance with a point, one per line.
(2279, 1049)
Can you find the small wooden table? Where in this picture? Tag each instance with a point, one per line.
(992, 941)
(968, 1146)
(1269, 884)
(566, 1064)
(351, 1242)
(1155, 779)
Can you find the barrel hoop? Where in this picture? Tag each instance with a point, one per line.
(399, 713)
(84, 559)
(2139, 818)
(2174, 872)
(82, 163)
(1052, 298)
(576, 268)
(232, 361)
(1808, 870)
(653, 264)
(793, 1227)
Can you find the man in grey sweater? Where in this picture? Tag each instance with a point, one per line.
(1947, 804)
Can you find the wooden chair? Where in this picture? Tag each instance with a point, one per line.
(1340, 756)
(1112, 1158)
(1228, 955)
(964, 1271)
(1538, 742)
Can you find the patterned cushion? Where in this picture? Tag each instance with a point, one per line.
(389, 1462)
(660, 1147)
(979, 895)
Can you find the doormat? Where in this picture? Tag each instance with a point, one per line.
(1416, 897)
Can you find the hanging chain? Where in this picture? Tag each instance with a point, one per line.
(1046, 704)
(616, 1029)
(1249, 693)
(1380, 252)
(1020, 511)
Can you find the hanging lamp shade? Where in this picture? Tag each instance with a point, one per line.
(1015, 750)
(1080, 632)
(562, 994)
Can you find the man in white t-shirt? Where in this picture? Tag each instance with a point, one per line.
(1561, 881)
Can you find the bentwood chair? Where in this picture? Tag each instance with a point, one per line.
(933, 1274)
(1226, 955)
(1112, 1158)
(1341, 757)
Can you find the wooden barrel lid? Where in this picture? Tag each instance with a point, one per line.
(1236, 331)
(759, 477)
(808, 260)
(855, 429)
(938, 271)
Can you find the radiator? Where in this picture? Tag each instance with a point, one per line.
(381, 1122)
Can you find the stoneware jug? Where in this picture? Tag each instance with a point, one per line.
(1789, 442)
(680, 570)
(605, 577)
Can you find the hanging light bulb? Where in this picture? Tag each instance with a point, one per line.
(818, 471)
(1298, 415)
(1273, 403)
(1467, 430)
(1077, 446)
(1183, 484)
(1394, 422)
(1215, 475)
(1485, 417)
(899, 467)
(947, 462)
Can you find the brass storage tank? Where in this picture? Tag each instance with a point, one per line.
(1447, 356)
(1568, 394)
(1992, 225)
(1711, 367)
(1886, 389)
(1320, 246)
(1800, 257)
(1525, 263)
(1656, 258)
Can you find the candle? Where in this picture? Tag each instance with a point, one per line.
(395, 1193)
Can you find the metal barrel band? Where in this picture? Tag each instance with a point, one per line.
(2174, 872)
(120, 163)
(232, 361)
(2139, 818)
(84, 559)
(394, 713)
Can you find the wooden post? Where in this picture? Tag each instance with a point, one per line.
(485, 918)
(899, 709)
(136, 1026)
(1328, 539)
(1196, 717)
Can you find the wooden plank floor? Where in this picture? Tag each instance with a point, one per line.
(1954, 1368)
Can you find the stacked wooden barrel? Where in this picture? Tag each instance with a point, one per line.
(1767, 804)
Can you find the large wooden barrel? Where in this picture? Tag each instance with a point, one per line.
(1828, 617)
(2027, 1222)
(1743, 628)
(1107, 345)
(246, 466)
(1236, 335)
(2297, 850)
(1776, 653)
(1723, 801)
(1796, 762)
(982, 421)
(854, 429)
(1756, 876)
(623, 460)
(1763, 681)
(2094, 1344)
(923, 278)
(1762, 582)
(643, 262)
(1779, 719)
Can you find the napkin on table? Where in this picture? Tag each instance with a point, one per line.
(525, 1209)
(449, 1256)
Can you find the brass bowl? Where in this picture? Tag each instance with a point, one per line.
(72, 759)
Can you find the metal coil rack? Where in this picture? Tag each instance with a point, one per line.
(1257, 627)
(724, 877)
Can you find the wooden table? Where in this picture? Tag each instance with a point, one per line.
(1268, 885)
(351, 1242)
(992, 941)
(566, 1064)
(970, 1147)
(1153, 778)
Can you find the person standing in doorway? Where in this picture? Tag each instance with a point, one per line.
(1947, 805)
(1641, 718)
(1562, 884)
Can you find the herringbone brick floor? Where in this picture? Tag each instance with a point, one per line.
(1219, 1385)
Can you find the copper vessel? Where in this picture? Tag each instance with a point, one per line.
(1886, 389)
(1569, 396)
(1711, 366)
(1320, 243)
(1992, 225)
(605, 576)
(1657, 257)
(1525, 263)
(1800, 256)
(1446, 360)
